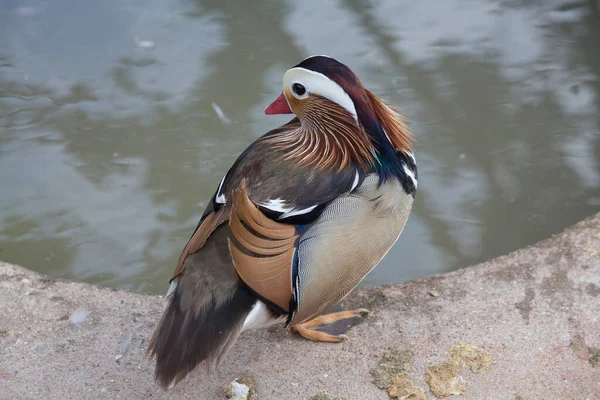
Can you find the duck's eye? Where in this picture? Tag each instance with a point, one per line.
(298, 89)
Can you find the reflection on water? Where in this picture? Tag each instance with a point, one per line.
(111, 138)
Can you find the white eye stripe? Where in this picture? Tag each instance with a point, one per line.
(321, 85)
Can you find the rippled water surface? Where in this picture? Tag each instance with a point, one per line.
(119, 118)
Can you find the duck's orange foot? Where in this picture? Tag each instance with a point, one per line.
(330, 327)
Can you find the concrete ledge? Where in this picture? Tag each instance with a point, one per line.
(536, 312)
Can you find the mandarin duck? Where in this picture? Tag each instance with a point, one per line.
(302, 216)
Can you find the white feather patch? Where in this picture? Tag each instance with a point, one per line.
(297, 212)
(259, 317)
(172, 286)
(220, 197)
(356, 180)
(279, 205)
(410, 174)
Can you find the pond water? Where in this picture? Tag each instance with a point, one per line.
(119, 118)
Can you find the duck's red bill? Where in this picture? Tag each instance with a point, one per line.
(279, 106)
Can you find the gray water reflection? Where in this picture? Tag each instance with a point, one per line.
(110, 144)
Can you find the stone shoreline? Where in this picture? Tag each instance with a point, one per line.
(522, 326)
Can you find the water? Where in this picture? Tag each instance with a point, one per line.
(119, 118)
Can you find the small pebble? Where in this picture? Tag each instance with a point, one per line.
(434, 293)
(125, 344)
(136, 316)
(238, 391)
(79, 316)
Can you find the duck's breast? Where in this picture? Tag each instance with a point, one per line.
(350, 238)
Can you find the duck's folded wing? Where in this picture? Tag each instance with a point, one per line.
(262, 251)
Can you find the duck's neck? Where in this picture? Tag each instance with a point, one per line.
(392, 141)
(397, 164)
(327, 140)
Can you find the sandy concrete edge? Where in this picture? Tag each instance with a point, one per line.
(535, 311)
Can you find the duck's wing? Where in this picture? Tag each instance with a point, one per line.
(305, 267)
(266, 227)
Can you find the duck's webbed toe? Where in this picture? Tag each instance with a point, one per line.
(330, 327)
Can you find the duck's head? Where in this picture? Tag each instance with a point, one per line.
(321, 86)
(317, 82)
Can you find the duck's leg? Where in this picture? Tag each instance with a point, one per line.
(338, 323)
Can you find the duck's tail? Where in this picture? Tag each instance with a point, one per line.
(187, 334)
